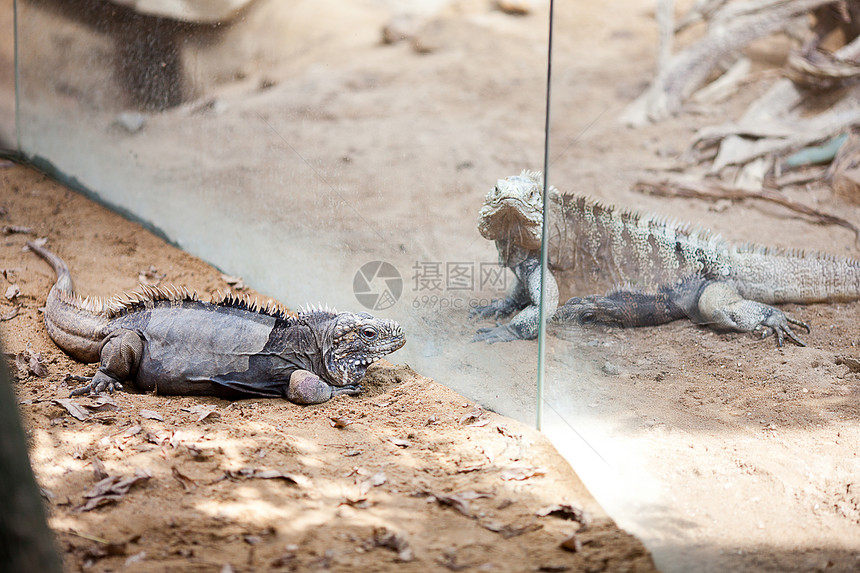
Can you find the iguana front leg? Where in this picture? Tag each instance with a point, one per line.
(307, 388)
(526, 295)
(119, 355)
(720, 306)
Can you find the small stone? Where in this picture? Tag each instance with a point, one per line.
(131, 122)
(611, 369)
(515, 7)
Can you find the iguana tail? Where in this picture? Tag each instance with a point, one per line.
(775, 276)
(76, 325)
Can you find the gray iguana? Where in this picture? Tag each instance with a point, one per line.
(653, 269)
(166, 340)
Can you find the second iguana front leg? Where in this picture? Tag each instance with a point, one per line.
(525, 325)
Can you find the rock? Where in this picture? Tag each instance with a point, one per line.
(515, 7)
(194, 11)
(611, 369)
(130, 121)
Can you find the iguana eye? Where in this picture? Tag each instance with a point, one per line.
(368, 332)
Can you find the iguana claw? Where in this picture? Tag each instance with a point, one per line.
(350, 390)
(496, 309)
(502, 333)
(778, 323)
(94, 388)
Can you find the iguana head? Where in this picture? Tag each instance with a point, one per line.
(351, 342)
(513, 211)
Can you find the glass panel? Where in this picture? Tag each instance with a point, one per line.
(715, 448)
(7, 75)
(333, 152)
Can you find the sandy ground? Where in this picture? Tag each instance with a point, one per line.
(409, 476)
(719, 451)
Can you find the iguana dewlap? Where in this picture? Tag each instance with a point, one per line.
(167, 341)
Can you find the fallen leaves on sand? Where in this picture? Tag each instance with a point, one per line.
(235, 282)
(521, 473)
(566, 511)
(111, 489)
(258, 473)
(73, 408)
(10, 314)
(339, 422)
(476, 418)
(30, 362)
(150, 276)
(186, 482)
(384, 537)
(151, 415)
(203, 411)
(12, 292)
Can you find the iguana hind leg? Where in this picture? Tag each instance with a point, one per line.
(622, 308)
(711, 303)
(720, 306)
(120, 355)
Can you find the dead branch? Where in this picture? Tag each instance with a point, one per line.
(731, 27)
(713, 192)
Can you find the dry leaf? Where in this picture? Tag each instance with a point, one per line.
(572, 543)
(159, 438)
(252, 473)
(235, 282)
(400, 443)
(11, 314)
(340, 422)
(375, 480)
(101, 404)
(30, 362)
(12, 292)
(203, 411)
(510, 530)
(99, 469)
(186, 482)
(383, 537)
(566, 511)
(12, 229)
(150, 276)
(477, 417)
(73, 408)
(136, 558)
(111, 489)
(149, 414)
(456, 502)
(521, 474)
(130, 431)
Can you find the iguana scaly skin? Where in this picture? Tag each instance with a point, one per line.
(167, 341)
(654, 270)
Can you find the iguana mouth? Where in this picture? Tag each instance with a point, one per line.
(513, 219)
(513, 211)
